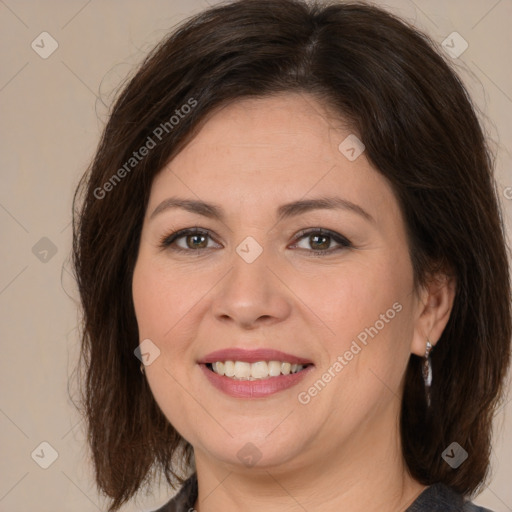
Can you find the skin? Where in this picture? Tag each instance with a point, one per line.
(341, 451)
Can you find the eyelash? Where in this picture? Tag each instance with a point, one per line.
(167, 240)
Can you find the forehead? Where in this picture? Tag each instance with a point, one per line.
(268, 151)
(286, 124)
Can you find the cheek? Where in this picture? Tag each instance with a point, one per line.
(167, 305)
(368, 310)
(161, 298)
(158, 309)
(353, 298)
(148, 291)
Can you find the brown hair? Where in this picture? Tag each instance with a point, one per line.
(420, 130)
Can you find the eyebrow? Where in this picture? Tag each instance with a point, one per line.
(285, 211)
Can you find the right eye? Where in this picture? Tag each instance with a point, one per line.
(193, 240)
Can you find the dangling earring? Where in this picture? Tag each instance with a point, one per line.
(142, 368)
(427, 371)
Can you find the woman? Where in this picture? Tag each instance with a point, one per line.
(291, 225)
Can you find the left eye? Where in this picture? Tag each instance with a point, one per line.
(320, 240)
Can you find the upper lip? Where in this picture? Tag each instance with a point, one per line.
(252, 356)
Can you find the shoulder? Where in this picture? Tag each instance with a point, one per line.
(185, 499)
(436, 498)
(441, 498)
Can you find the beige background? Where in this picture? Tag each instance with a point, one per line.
(52, 113)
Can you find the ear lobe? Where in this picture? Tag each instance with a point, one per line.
(434, 308)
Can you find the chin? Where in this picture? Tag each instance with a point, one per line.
(248, 453)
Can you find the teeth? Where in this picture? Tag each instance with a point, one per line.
(229, 368)
(241, 370)
(274, 368)
(257, 370)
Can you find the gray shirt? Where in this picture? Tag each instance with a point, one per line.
(436, 498)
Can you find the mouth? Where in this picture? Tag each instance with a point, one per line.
(259, 370)
(259, 373)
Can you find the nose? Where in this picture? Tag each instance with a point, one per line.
(251, 295)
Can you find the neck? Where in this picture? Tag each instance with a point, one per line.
(362, 474)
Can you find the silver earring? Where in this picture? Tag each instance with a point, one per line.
(427, 371)
(142, 368)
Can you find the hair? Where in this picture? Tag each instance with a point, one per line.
(388, 82)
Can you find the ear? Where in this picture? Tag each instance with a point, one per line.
(435, 303)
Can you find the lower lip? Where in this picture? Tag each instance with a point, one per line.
(254, 388)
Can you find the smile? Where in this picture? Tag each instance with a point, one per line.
(241, 370)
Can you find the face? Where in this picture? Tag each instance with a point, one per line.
(328, 284)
